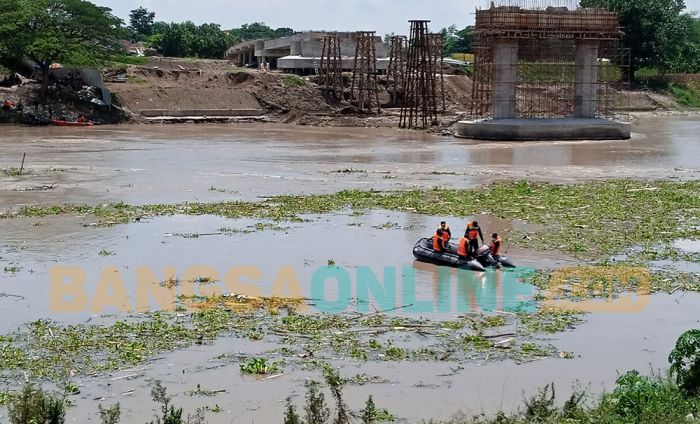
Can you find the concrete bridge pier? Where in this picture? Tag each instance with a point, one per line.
(586, 77)
(505, 58)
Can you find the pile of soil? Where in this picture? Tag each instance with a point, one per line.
(180, 84)
(60, 103)
(176, 84)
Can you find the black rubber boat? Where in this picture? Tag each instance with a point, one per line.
(423, 251)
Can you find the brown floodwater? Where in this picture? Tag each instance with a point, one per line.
(154, 164)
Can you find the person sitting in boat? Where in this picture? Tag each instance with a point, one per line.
(442, 237)
(446, 233)
(82, 119)
(495, 246)
(473, 234)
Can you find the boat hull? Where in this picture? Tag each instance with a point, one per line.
(423, 251)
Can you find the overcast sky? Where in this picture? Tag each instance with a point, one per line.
(383, 16)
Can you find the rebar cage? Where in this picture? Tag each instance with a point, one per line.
(546, 75)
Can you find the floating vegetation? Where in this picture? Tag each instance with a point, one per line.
(550, 320)
(47, 350)
(242, 303)
(627, 212)
(259, 366)
(170, 283)
(348, 171)
(15, 172)
(105, 252)
(388, 226)
(362, 379)
(200, 392)
(582, 283)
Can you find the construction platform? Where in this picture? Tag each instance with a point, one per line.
(544, 129)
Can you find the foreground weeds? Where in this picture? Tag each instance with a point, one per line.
(50, 351)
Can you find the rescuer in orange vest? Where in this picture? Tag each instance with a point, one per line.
(495, 246)
(442, 237)
(473, 234)
(462, 248)
(446, 233)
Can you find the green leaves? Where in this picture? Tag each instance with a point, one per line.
(657, 33)
(685, 362)
(75, 32)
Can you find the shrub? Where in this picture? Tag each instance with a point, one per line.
(32, 405)
(685, 362)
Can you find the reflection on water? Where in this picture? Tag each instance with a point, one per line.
(454, 291)
(463, 291)
(162, 164)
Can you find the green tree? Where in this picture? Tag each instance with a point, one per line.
(189, 40)
(74, 32)
(283, 32)
(457, 41)
(260, 30)
(141, 22)
(657, 32)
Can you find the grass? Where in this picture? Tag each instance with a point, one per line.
(291, 80)
(646, 72)
(684, 95)
(131, 60)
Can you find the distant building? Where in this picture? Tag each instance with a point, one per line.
(300, 53)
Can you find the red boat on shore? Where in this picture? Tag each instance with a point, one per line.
(62, 123)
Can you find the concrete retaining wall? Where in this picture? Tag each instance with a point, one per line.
(543, 129)
(152, 113)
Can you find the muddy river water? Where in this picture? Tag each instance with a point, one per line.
(168, 164)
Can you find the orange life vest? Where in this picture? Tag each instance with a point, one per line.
(462, 248)
(437, 241)
(495, 246)
(472, 232)
(446, 234)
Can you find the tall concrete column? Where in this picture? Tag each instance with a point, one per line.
(251, 56)
(295, 48)
(586, 74)
(505, 75)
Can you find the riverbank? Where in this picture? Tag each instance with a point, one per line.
(165, 90)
